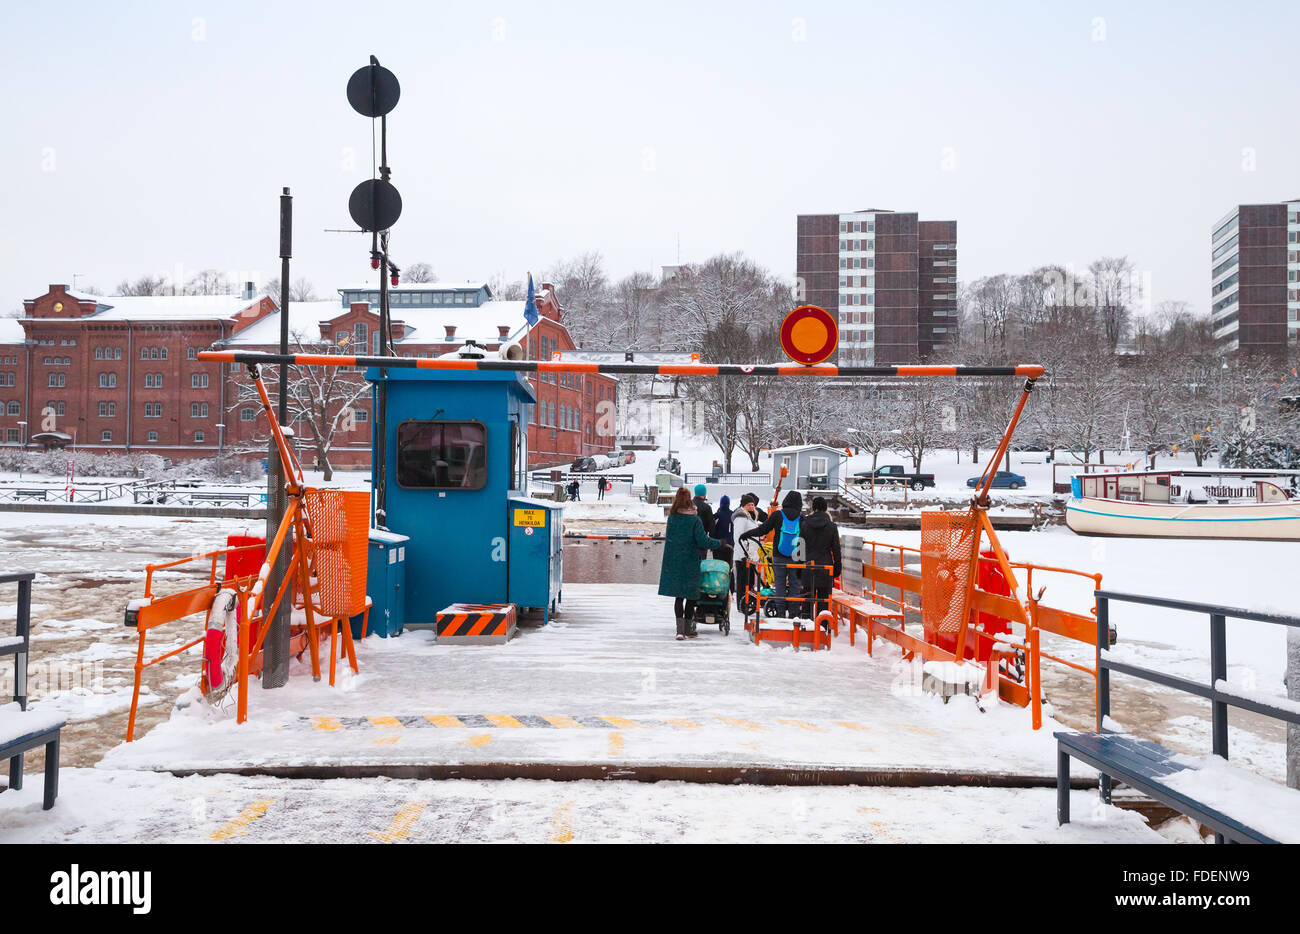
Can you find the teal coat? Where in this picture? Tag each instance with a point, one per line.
(683, 538)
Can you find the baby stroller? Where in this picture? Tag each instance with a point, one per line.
(714, 604)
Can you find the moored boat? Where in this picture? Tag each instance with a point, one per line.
(1259, 504)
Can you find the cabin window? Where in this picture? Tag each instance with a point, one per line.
(818, 467)
(442, 455)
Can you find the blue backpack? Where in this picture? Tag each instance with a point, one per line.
(789, 535)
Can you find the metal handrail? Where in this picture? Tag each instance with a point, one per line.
(1219, 699)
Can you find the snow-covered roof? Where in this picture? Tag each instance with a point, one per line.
(304, 319)
(423, 325)
(167, 307)
(479, 324)
(795, 448)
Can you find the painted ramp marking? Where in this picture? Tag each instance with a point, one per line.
(401, 824)
(504, 721)
(561, 825)
(326, 723)
(240, 823)
(445, 721)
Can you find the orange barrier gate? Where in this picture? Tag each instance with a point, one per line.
(948, 578)
(327, 534)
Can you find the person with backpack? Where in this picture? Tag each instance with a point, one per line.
(573, 491)
(822, 547)
(787, 549)
(602, 485)
(679, 574)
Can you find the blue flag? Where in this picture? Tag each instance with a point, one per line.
(530, 306)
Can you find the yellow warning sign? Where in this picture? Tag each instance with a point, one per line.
(531, 517)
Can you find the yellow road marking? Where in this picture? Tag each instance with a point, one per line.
(240, 823)
(389, 740)
(402, 822)
(684, 724)
(497, 719)
(387, 723)
(444, 720)
(915, 729)
(750, 745)
(615, 743)
(622, 723)
(803, 725)
(563, 723)
(743, 724)
(851, 725)
(326, 723)
(478, 739)
(561, 829)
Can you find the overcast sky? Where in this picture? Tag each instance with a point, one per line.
(156, 138)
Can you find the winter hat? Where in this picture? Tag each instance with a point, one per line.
(701, 490)
(792, 505)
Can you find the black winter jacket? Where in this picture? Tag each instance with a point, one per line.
(821, 540)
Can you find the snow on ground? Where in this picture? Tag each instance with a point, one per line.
(606, 682)
(97, 806)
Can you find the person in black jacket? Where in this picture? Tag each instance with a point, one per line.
(705, 512)
(786, 549)
(821, 546)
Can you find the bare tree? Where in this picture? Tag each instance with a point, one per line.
(145, 285)
(1112, 285)
(420, 272)
(208, 282)
(321, 399)
(583, 290)
(507, 290)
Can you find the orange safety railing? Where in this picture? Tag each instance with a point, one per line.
(326, 533)
(886, 566)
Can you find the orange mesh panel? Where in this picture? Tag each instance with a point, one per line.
(948, 539)
(340, 530)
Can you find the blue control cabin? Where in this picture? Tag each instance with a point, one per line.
(454, 459)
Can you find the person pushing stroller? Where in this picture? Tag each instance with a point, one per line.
(787, 549)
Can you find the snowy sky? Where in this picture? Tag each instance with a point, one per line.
(156, 137)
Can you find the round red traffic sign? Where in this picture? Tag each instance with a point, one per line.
(809, 335)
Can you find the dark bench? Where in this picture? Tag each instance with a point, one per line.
(31, 494)
(1141, 764)
(1147, 766)
(20, 731)
(44, 732)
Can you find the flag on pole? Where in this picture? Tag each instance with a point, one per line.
(530, 306)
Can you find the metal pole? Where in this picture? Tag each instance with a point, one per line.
(275, 669)
(1293, 692)
(1218, 672)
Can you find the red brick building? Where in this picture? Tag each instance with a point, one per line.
(121, 374)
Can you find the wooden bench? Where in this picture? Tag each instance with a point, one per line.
(221, 498)
(31, 494)
(1146, 766)
(21, 732)
(859, 612)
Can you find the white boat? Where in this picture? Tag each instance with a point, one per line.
(1261, 504)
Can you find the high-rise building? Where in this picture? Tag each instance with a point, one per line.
(890, 278)
(1255, 278)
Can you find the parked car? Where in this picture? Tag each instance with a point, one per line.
(1003, 479)
(583, 465)
(671, 465)
(894, 474)
(622, 458)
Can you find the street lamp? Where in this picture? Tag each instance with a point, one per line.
(221, 431)
(22, 447)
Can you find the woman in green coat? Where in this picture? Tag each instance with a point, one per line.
(679, 576)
